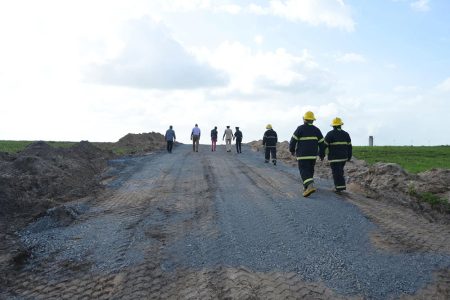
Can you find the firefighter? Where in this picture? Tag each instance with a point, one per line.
(270, 140)
(306, 144)
(339, 152)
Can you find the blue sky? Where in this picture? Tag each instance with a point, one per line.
(98, 70)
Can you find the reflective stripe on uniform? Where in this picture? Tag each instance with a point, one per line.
(308, 180)
(338, 160)
(308, 138)
(339, 143)
(340, 186)
(306, 157)
(321, 140)
(295, 137)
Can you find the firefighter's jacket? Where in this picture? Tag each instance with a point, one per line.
(307, 142)
(339, 145)
(270, 139)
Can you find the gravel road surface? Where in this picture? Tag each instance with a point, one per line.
(215, 225)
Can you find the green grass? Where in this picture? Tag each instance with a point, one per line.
(17, 146)
(411, 158)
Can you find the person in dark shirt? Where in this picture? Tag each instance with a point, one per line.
(238, 136)
(214, 138)
(306, 143)
(170, 138)
(270, 141)
(339, 147)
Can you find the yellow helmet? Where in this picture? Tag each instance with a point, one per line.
(269, 126)
(337, 122)
(309, 116)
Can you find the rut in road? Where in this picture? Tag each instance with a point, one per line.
(222, 225)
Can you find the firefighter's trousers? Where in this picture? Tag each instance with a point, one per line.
(337, 168)
(306, 167)
(270, 150)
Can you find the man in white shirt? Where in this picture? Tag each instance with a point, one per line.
(195, 137)
(228, 135)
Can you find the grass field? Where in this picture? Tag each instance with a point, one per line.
(16, 146)
(413, 159)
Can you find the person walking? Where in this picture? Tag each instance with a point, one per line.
(238, 137)
(214, 138)
(339, 152)
(228, 135)
(270, 140)
(195, 137)
(306, 143)
(170, 138)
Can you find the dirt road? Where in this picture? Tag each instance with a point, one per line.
(215, 225)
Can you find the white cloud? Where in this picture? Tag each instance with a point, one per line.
(420, 5)
(351, 58)
(233, 9)
(258, 39)
(405, 88)
(252, 71)
(332, 13)
(151, 58)
(444, 86)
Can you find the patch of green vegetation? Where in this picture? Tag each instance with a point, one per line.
(17, 146)
(414, 159)
(432, 199)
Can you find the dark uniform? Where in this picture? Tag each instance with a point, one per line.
(307, 142)
(238, 137)
(270, 141)
(339, 151)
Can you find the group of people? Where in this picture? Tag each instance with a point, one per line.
(307, 144)
(228, 136)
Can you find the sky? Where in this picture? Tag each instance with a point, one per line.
(99, 69)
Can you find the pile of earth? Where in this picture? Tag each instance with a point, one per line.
(427, 192)
(39, 180)
(141, 143)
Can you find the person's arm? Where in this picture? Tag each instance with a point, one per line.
(321, 140)
(174, 136)
(350, 148)
(223, 137)
(192, 134)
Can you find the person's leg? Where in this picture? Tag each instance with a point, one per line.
(197, 142)
(240, 146)
(170, 146)
(267, 154)
(305, 168)
(337, 169)
(274, 155)
(193, 143)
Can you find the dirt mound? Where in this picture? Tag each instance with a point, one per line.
(41, 176)
(141, 142)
